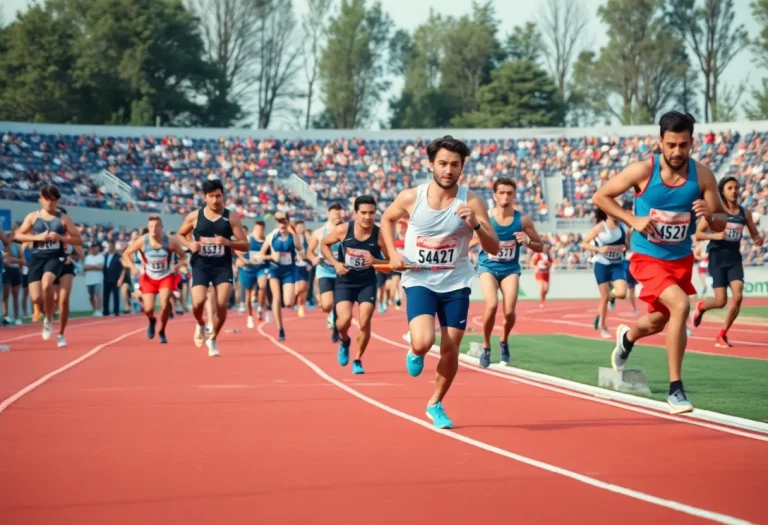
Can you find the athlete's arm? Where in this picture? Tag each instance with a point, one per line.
(710, 207)
(591, 235)
(489, 241)
(72, 237)
(238, 232)
(399, 209)
(633, 176)
(24, 233)
(314, 240)
(178, 250)
(533, 242)
(128, 258)
(703, 235)
(334, 236)
(185, 229)
(753, 231)
(534, 260)
(384, 252)
(298, 244)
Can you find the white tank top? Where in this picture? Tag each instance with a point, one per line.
(438, 237)
(157, 261)
(606, 237)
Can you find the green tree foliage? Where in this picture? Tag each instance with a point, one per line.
(758, 108)
(525, 43)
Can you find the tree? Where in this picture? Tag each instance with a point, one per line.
(520, 95)
(315, 32)
(713, 37)
(353, 62)
(758, 110)
(525, 43)
(563, 24)
(690, 87)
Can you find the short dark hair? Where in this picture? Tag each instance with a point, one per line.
(62, 210)
(260, 223)
(211, 186)
(504, 181)
(296, 223)
(144, 230)
(600, 215)
(723, 182)
(336, 206)
(50, 192)
(449, 143)
(676, 122)
(364, 199)
(154, 217)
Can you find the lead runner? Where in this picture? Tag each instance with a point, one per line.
(443, 217)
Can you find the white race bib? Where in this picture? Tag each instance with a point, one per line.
(507, 251)
(613, 255)
(284, 259)
(440, 250)
(208, 249)
(157, 265)
(669, 227)
(254, 257)
(48, 245)
(733, 232)
(355, 258)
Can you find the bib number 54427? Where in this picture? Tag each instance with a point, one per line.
(436, 250)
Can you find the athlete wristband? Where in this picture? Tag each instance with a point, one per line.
(476, 228)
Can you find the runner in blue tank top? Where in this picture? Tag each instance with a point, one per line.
(254, 272)
(725, 263)
(325, 273)
(670, 189)
(302, 269)
(502, 271)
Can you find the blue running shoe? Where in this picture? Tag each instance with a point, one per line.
(281, 335)
(357, 367)
(161, 337)
(438, 416)
(151, 328)
(414, 363)
(485, 358)
(504, 352)
(343, 355)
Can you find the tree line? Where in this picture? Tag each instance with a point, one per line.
(219, 63)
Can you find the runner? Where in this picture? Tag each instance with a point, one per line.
(608, 239)
(254, 272)
(394, 280)
(669, 189)
(443, 216)
(157, 274)
(325, 273)
(286, 248)
(14, 263)
(49, 230)
(725, 263)
(701, 254)
(212, 227)
(541, 263)
(502, 271)
(360, 246)
(302, 268)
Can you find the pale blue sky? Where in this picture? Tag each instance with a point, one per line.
(408, 14)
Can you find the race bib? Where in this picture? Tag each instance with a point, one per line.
(208, 249)
(48, 245)
(355, 258)
(284, 259)
(507, 251)
(669, 227)
(733, 232)
(440, 250)
(613, 255)
(254, 257)
(157, 265)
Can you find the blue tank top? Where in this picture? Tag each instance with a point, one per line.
(671, 209)
(509, 252)
(285, 247)
(325, 270)
(254, 247)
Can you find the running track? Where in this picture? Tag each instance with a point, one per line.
(279, 433)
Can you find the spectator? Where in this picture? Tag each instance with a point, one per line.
(94, 277)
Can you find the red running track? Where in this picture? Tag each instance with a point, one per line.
(271, 433)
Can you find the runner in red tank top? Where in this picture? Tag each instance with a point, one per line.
(541, 263)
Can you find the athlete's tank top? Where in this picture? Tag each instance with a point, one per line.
(212, 255)
(671, 210)
(509, 252)
(254, 248)
(304, 245)
(156, 261)
(728, 250)
(543, 262)
(610, 237)
(48, 249)
(351, 252)
(284, 246)
(438, 237)
(325, 269)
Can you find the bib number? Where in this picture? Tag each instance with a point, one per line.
(254, 257)
(285, 259)
(208, 249)
(48, 245)
(507, 251)
(613, 255)
(437, 250)
(669, 227)
(355, 258)
(733, 232)
(157, 265)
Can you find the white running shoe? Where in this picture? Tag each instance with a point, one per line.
(213, 349)
(60, 341)
(47, 329)
(249, 322)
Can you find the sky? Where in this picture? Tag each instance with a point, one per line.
(409, 14)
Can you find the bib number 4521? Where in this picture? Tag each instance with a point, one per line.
(669, 227)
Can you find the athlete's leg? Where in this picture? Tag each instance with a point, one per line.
(210, 307)
(277, 300)
(165, 307)
(343, 322)
(509, 290)
(678, 304)
(49, 295)
(364, 335)
(223, 291)
(263, 282)
(289, 294)
(490, 288)
(65, 290)
(450, 342)
(301, 288)
(737, 290)
(199, 299)
(602, 307)
(619, 289)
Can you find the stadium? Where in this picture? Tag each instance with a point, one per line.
(108, 426)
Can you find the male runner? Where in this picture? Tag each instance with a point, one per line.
(394, 281)
(725, 263)
(302, 269)
(326, 274)
(502, 271)
(668, 192)
(158, 274)
(49, 230)
(541, 263)
(212, 227)
(254, 272)
(443, 216)
(360, 247)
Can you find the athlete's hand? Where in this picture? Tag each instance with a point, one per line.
(52, 236)
(643, 224)
(701, 208)
(757, 240)
(521, 238)
(218, 240)
(467, 215)
(396, 261)
(340, 268)
(275, 256)
(193, 246)
(719, 236)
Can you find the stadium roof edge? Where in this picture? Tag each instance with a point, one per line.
(742, 127)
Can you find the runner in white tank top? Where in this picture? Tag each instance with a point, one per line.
(157, 275)
(442, 219)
